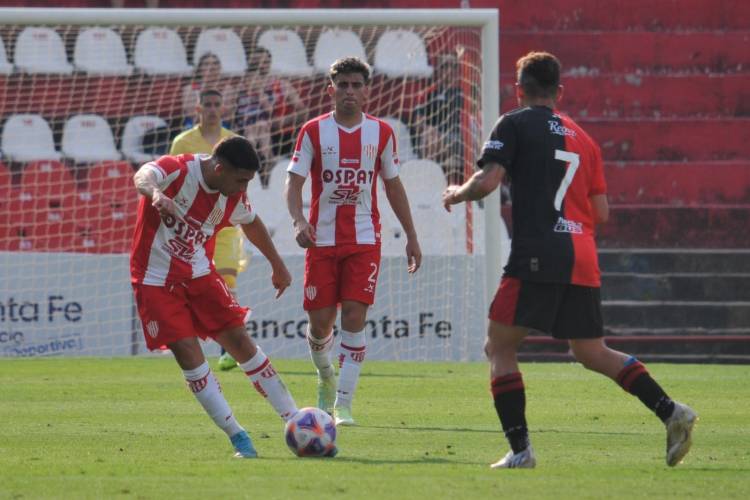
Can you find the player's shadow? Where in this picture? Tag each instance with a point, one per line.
(422, 460)
(587, 432)
(428, 429)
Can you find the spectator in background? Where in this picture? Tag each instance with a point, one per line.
(268, 110)
(437, 120)
(207, 76)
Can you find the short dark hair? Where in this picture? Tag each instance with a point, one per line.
(538, 74)
(238, 152)
(208, 92)
(348, 66)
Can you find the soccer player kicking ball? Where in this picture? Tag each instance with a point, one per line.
(344, 152)
(552, 279)
(186, 200)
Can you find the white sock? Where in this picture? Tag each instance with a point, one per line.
(207, 390)
(320, 352)
(267, 382)
(350, 354)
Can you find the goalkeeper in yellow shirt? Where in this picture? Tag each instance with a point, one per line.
(230, 257)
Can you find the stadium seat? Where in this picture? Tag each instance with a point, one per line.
(6, 68)
(41, 50)
(48, 181)
(132, 137)
(228, 48)
(403, 139)
(111, 180)
(16, 223)
(334, 44)
(106, 226)
(288, 55)
(159, 51)
(424, 183)
(100, 51)
(88, 139)
(5, 182)
(400, 53)
(28, 137)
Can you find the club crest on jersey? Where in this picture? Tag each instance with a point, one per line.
(311, 292)
(152, 328)
(215, 216)
(370, 151)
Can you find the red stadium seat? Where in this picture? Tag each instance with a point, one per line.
(112, 180)
(105, 225)
(47, 180)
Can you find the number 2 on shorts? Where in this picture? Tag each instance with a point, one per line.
(573, 160)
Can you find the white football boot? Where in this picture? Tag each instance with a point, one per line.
(679, 433)
(521, 460)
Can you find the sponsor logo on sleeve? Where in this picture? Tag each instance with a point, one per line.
(495, 145)
(568, 226)
(559, 129)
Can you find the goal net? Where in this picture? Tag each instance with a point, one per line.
(89, 96)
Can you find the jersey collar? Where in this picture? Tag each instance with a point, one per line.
(345, 129)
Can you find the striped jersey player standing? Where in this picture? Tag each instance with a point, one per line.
(187, 199)
(344, 152)
(552, 279)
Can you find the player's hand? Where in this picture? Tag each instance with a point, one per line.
(449, 197)
(413, 255)
(281, 279)
(304, 234)
(163, 203)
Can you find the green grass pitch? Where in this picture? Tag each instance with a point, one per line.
(129, 428)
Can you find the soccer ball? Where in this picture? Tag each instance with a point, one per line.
(311, 433)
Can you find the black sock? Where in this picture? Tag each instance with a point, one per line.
(510, 403)
(636, 380)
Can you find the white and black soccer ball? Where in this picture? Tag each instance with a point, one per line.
(311, 432)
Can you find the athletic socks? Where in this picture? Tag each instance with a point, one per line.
(510, 403)
(320, 352)
(267, 382)
(635, 379)
(207, 391)
(350, 355)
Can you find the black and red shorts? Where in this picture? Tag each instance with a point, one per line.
(562, 310)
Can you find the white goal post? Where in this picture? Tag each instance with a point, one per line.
(45, 308)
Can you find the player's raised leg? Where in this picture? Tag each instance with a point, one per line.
(320, 341)
(509, 393)
(258, 368)
(350, 354)
(633, 377)
(204, 386)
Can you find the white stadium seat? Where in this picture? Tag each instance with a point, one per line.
(27, 138)
(334, 44)
(228, 48)
(440, 232)
(100, 51)
(401, 53)
(88, 139)
(288, 56)
(41, 50)
(403, 138)
(6, 68)
(132, 137)
(159, 51)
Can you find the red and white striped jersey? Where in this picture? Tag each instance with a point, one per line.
(171, 249)
(343, 165)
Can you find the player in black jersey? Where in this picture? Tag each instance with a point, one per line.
(551, 282)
